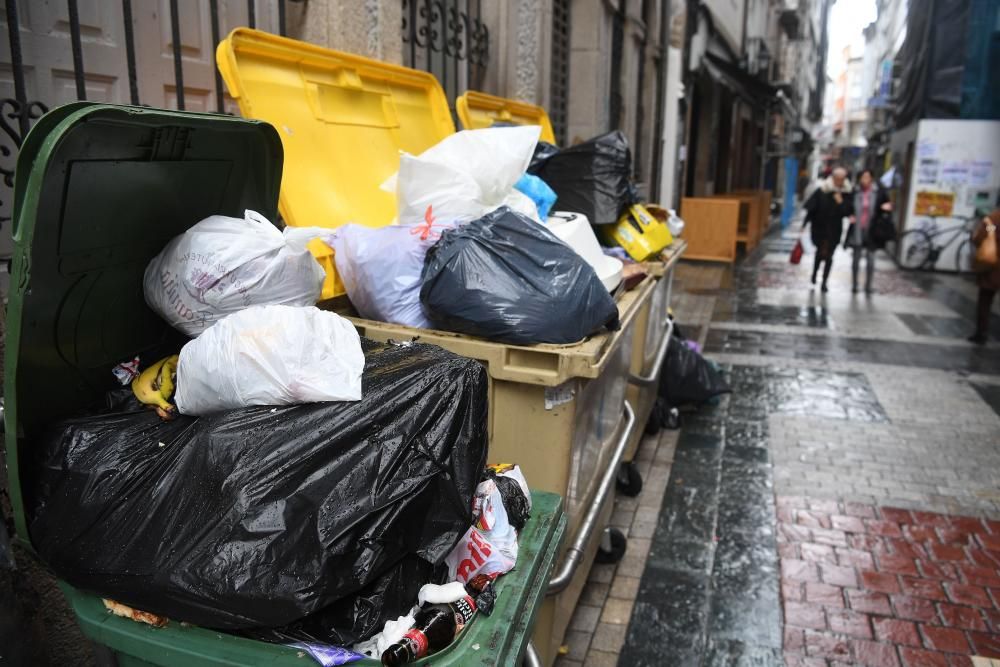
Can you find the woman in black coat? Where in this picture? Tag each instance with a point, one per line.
(870, 202)
(826, 209)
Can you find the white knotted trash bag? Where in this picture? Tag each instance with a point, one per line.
(222, 265)
(270, 355)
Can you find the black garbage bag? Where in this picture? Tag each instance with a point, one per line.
(263, 515)
(543, 151)
(687, 377)
(509, 279)
(363, 614)
(592, 178)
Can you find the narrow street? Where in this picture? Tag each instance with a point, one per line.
(841, 506)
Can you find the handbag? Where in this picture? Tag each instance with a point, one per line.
(796, 252)
(986, 251)
(883, 231)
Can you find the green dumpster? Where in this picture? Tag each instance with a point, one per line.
(99, 190)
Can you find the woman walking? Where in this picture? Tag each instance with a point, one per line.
(987, 278)
(869, 203)
(826, 209)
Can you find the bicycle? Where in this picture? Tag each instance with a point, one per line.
(922, 248)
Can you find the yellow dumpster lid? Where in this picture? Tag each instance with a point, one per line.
(478, 110)
(343, 120)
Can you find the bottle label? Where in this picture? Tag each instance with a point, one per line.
(464, 610)
(417, 641)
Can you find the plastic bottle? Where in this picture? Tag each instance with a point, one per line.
(434, 628)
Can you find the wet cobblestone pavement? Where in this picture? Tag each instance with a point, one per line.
(841, 507)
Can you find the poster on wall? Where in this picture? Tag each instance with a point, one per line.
(927, 171)
(980, 173)
(934, 204)
(955, 173)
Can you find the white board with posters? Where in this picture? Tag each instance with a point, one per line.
(956, 171)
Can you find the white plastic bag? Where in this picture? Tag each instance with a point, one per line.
(381, 270)
(466, 175)
(223, 265)
(489, 547)
(270, 355)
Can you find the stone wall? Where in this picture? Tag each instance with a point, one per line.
(367, 27)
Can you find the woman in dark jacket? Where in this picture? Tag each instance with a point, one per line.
(869, 203)
(988, 278)
(826, 209)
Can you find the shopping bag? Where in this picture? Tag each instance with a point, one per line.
(796, 253)
(883, 231)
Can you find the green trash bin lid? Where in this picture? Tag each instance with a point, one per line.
(498, 639)
(99, 190)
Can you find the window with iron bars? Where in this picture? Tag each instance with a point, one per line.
(19, 112)
(448, 39)
(559, 88)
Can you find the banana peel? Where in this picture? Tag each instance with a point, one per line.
(155, 387)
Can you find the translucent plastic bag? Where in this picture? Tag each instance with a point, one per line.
(381, 270)
(222, 265)
(270, 355)
(466, 175)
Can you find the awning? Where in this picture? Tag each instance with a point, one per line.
(753, 90)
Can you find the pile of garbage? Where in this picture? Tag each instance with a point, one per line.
(277, 470)
(277, 475)
(473, 249)
(260, 516)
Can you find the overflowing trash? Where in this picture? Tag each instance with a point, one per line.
(270, 355)
(509, 279)
(260, 516)
(222, 265)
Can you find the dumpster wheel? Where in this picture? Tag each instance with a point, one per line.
(612, 549)
(629, 481)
